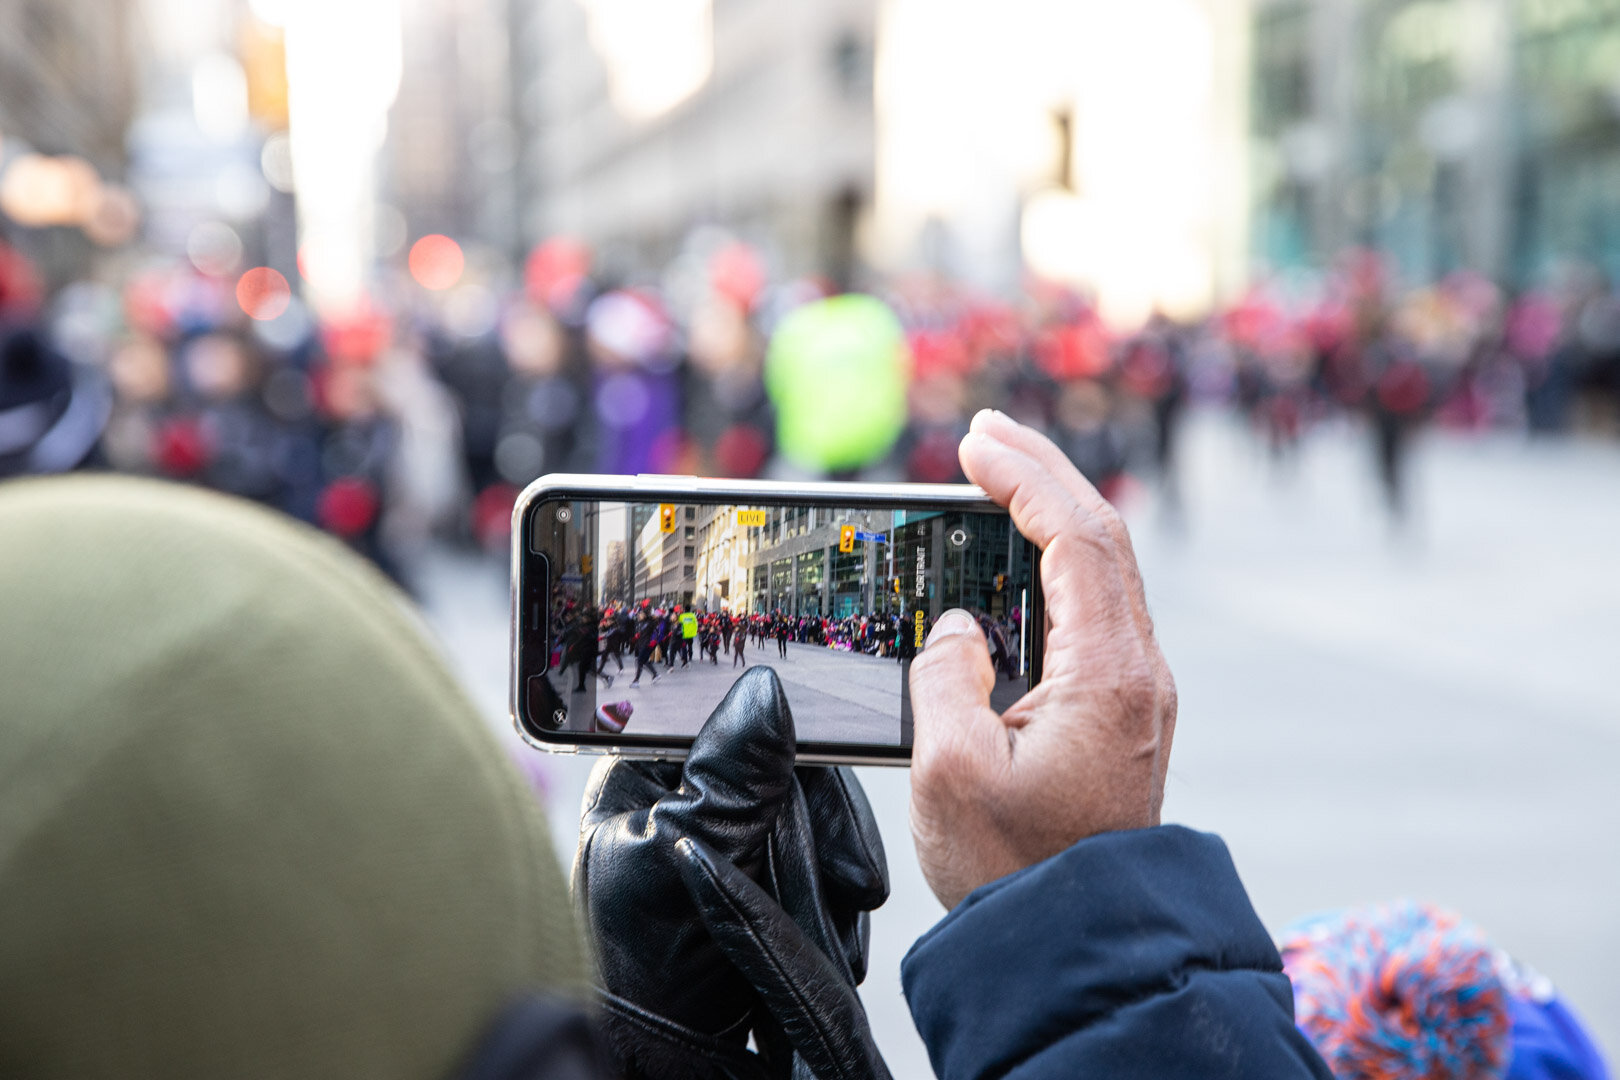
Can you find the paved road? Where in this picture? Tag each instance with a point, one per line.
(1365, 712)
(835, 696)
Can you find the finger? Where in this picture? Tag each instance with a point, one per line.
(739, 771)
(1041, 506)
(1089, 584)
(849, 847)
(1004, 429)
(851, 868)
(617, 786)
(1045, 453)
(950, 685)
(796, 881)
(817, 1008)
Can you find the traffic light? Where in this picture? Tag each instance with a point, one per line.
(897, 586)
(666, 517)
(584, 564)
(1001, 582)
(846, 539)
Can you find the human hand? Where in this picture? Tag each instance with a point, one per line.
(729, 896)
(1086, 750)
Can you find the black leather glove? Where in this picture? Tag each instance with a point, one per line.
(729, 897)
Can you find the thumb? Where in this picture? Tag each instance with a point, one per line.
(739, 772)
(950, 688)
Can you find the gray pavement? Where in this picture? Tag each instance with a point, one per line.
(1366, 712)
(836, 696)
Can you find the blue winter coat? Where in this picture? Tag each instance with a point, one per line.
(1131, 954)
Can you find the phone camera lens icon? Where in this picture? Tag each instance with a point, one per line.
(564, 514)
(959, 537)
(559, 717)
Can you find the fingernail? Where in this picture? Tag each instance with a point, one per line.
(985, 415)
(954, 621)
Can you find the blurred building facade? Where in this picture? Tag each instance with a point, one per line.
(641, 119)
(212, 89)
(451, 156)
(67, 77)
(1450, 134)
(901, 134)
(67, 87)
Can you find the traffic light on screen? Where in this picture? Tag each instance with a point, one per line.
(846, 539)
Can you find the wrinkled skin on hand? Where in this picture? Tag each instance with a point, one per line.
(1085, 751)
(728, 896)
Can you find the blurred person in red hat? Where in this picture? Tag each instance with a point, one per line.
(357, 444)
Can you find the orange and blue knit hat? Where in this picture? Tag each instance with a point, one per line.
(1399, 991)
(1407, 991)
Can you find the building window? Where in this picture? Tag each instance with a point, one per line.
(809, 588)
(851, 62)
(691, 513)
(690, 532)
(688, 551)
(781, 582)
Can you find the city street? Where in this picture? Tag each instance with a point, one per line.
(1367, 712)
(378, 268)
(835, 696)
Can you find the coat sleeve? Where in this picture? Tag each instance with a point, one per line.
(1131, 954)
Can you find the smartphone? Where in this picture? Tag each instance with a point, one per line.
(638, 600)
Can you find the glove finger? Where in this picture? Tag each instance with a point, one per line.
(853, 871)
(817, 1008)
(618, 800)
(738, 773)
(795, 879)
(617, 786)
(849, 846)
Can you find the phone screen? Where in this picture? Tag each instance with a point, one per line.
(653, 609)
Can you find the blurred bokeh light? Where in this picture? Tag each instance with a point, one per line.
(263, 293)
(436, 262)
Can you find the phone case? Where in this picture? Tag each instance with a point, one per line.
(610, 718)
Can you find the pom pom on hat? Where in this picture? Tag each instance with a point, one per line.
(1399, 991)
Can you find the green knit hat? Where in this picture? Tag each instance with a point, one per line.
(249, 824)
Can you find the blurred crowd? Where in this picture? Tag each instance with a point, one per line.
(591, 636)
(423, 413)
